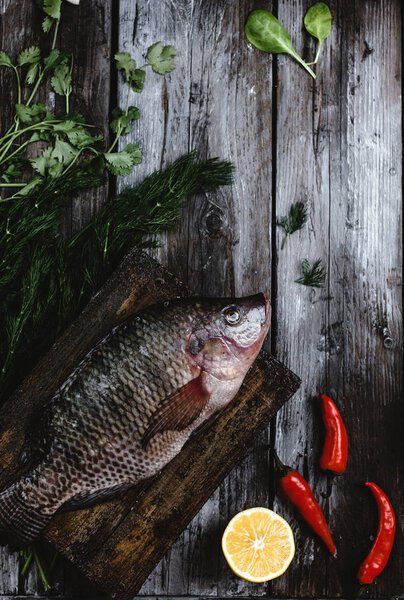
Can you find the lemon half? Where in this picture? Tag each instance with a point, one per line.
(258, 544)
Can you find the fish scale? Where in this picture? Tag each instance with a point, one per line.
(132, 403)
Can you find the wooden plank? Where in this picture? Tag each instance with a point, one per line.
(211, 102)
(366, 284)
(305, 117)
(96, 538)
(339, 149)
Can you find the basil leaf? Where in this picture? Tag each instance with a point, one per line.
(318, 21)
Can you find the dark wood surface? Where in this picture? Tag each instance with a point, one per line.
(335, 143)
(118, 543)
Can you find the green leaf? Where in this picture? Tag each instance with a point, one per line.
(5, 60)
(54, 59)
(121, 122)
(62, 80)
(30, 114)
(52, 8)
(29, 56)
(80, 138)
(133, 76)
(134, 152)
(119, 163)
(136, 80)
(47, 24)
(31, 185)
(14, 169)
(32, 74)
(318, 21)
(161, 58)
(63, 152)
(44, 161)
(124, 62)
(264, 31)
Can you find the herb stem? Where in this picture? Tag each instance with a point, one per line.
(36, 86)
(317, 53)
(28, 561)
(303, 63)
(10, 156)
(55, 33)
(42, 573)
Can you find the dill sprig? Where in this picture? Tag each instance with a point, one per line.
(45, 280)
(313, 274)
(296, 220)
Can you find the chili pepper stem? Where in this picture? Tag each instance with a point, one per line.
(280, 467)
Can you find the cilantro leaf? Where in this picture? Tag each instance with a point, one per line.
(29, 56)
(62, 80)
(44, 161)
(119, 163)
(133, 76)
(30, 114)
(52, 8)
(32, 73)
(134, 152)
(14, 169)
(80, 138)
(161, 58)
(124, 62)
(122, 120)
(63, 152)
(47, 24)
(5, 60)
(54, 59)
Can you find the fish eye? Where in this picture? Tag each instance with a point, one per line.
(232, 315)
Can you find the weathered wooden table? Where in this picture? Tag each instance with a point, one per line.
(336, 144)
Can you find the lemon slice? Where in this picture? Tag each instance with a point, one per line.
(258, 544)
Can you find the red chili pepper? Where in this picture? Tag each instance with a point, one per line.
(298, 491)
(335, 450)
(377, 558)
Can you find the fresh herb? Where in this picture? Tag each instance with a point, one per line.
(313, 274)
(66, 140)
(264, 31)
(45, 280)
(296, 220)
(318, 22)
(161, 58)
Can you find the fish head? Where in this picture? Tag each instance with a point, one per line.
(227, 338)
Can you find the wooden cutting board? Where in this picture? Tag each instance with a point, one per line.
(117, 544)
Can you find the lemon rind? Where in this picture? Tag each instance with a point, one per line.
(246, 575)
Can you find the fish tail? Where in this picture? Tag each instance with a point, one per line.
(20, 524)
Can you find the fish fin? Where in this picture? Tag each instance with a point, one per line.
(19, 523)
(178, 410)
(89, 498)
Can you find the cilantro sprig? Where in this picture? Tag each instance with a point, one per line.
(42, 144)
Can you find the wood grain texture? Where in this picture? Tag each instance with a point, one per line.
(336, 144)
(341, 138)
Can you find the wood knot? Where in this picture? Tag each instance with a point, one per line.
(214, 222)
